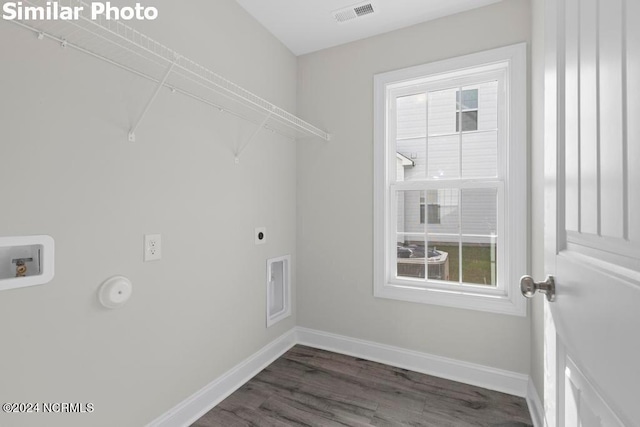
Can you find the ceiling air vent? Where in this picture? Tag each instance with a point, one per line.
(353, 12)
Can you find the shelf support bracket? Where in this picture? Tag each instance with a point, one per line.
(251, 138)
(132, 132)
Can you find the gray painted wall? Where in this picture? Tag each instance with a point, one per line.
(67, 169)
(335, 210)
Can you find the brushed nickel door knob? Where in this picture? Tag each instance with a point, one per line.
(529, 287)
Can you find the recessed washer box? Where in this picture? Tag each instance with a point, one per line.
(26, 261)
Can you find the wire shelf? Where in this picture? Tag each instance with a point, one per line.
(121, 45)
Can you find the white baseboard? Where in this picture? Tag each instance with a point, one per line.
(535, 405)
(188, 411)
(455, 370)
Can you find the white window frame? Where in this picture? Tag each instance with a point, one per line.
(511, 64)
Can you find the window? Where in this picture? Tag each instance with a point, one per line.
(432, 208)
(467, 110)
(450, 182)
(433, 214)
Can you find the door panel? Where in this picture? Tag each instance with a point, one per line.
(586, 13)
(592, 231)
(572, 118)
(597, 321)
(613, 219)
(584, 406)
(631, 9)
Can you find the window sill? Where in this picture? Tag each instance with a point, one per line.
(514, 305)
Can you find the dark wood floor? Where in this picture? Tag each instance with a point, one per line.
(309, 387)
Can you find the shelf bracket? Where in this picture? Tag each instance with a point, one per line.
(251, 138)
(132, 132)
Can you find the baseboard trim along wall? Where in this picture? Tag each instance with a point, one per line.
(451, 369)
(535, 406)
(195, 406)
(188, 411)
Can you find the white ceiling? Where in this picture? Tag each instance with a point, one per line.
(308, 25)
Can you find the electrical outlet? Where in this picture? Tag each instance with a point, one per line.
(152, 247)
(261, 236)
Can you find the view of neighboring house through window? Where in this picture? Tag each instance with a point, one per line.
(467, 110)
(430, 208)
(461, 225)
(450, 191)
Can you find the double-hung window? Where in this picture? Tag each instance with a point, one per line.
(451, 223)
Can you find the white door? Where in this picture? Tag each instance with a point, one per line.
(592, 223)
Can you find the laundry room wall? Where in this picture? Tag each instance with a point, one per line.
(67, 170)
(335, 210)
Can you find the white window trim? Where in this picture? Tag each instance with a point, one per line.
(507, 300)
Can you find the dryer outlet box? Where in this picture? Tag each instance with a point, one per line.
(261, 235)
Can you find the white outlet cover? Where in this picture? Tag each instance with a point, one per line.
(152, 247)
(261, 231)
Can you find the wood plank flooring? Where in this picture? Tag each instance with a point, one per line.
(310, 387)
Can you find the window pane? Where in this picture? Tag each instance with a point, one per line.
(444, 236)
(479, 235)
(411, 251)
(443, 157)
(410, 235)
(415, 257)
(409, 212)
(487, 105)
(411, 116)
(432, 197)
(430, 208)
(443, 261)
(442, 112)
(479, 261)
(469, 99)
(411, 159)
(480, 155)
(433, 214)
(469, 121)
(411, 143)
(479, 211)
